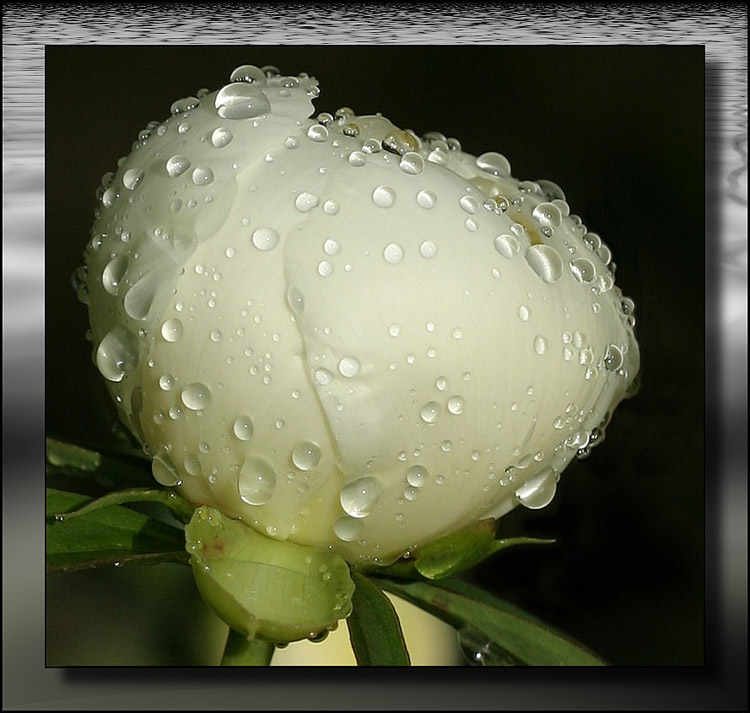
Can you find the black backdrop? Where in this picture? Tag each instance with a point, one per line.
(620, 129)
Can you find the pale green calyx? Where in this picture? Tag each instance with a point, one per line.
(267, 589)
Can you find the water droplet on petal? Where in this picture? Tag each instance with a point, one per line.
(138, 298)
(265, 238)
(131, 178)
(306, 202)
(221, 137)
(318, 132)
(507, 246)
(257, 481)
(456, 405)
(384, 196)
(538, 492)
(540, 345)
(428, 249)
(494, 163)
(164, 470)
(548, 214)
(412, 163)
(430, 412)
(358, 497)
(613, 360)
(349, 366)
(243, 428)
(240, 100)
(393, 254)
(469, 204)
(203, 176)
(416, 476)
(113, 273)
(306, 456)
(171, 330)
(117, 354)
(166, 382)
(325, 268)
(196, 396)
(323, 376)
(426, 199)
(583, 269)
(248, 73)
(347, 529)
(545, 261)
(177, 165)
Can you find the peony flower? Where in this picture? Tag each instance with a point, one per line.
(347, 336)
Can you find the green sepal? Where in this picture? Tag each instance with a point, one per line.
(455, 553)
(508, 635)
(374, 628)
(274, 590)
(104, 537)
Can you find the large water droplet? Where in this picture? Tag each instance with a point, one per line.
(358, 497)
(412, 163)
(507, 245)
(583, 269)
(203, 176)
(243, 428)
(171, 330)
(248, 73)
(393, 254)
(131, 178)
(257, 481)
(426, 199)
(240, 100)
(430, 412)
(537, 492)
(613, 359)
(196, 396)
(494, 163)
(428, 249)
(221, 137)
(306, 456)
(117, 354)
(416, 476)
(349, 366)
(113, 273)
(540, 345)
(384, 196)
(318, 132)
(265, 238)
(347, 529)
(305, 202)
(164, 470)
(166, 382)
(177, 165)
(548, 214)
(545, 261)
(139, 297)
(456, 405)
(469, 204)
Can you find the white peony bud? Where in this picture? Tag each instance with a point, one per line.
(341, 333)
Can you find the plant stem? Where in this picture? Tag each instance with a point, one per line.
(239, 651)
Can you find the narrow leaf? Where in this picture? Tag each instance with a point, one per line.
(509, 635)
(68, 461)
(107, 536)
(179, 507)
(241, 651)
(374, 628)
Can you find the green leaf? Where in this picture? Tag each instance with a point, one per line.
(499, 632)
(241, 651)
(109, 536)
(374, 628)
(179, 507)
(70, 462)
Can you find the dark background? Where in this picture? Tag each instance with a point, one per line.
(620, 129)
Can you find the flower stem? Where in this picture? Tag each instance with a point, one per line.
(239, 651)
